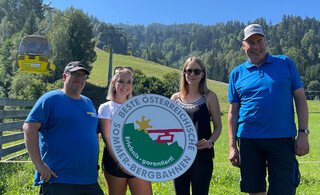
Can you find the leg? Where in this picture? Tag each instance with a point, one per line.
(115, 178)
(59, 188)
(116, 185)
(138, 186)
(282, 167)
(70, 189)
(92, 189)
(182, 184)
(201, 173)
(55, 188)
(252, 166)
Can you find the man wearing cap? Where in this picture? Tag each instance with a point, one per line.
(261, 118)
(61, 137)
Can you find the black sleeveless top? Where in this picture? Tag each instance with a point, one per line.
(200, 115)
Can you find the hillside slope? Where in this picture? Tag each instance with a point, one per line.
(96, 87)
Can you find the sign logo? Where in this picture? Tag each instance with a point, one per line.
(153, 138)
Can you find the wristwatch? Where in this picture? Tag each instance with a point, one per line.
(306, 131)
(210, 141)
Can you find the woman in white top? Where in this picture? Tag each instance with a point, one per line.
(116, 177)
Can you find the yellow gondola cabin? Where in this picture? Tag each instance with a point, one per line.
(33, 55)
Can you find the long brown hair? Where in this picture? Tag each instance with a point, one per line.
(184, 87)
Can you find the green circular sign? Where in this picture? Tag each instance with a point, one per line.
(153, 138)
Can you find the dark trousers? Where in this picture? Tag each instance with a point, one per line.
(199, 175)
(70, 189)
(275, 156)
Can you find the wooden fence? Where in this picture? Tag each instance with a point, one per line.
(312, 95)
(12, 115)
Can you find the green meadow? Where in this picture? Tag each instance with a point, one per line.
(17, 177)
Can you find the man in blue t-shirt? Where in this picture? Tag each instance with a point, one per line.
(261, 118)
(61, 137)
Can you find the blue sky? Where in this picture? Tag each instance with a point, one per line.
(206, 12)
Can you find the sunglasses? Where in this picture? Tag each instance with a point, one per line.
(196, 71)
(118, 68)
(77, 75)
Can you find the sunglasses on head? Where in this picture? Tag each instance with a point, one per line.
(118, 68)
(196, 71)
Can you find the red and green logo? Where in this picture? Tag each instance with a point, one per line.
(153, 138)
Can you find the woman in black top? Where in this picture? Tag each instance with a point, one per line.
(201, 104)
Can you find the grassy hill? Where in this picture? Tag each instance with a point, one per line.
(96, 87)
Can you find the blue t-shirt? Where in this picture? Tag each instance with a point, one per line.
(67, 137)
(265, 95)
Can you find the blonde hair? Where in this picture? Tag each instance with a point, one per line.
(112, 90)
(184, 87)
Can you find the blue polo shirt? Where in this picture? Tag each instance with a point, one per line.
(265, 95)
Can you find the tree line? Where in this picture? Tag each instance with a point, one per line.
(219, 45)
(74, 35)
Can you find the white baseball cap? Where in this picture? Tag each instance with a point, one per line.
(253, 29)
